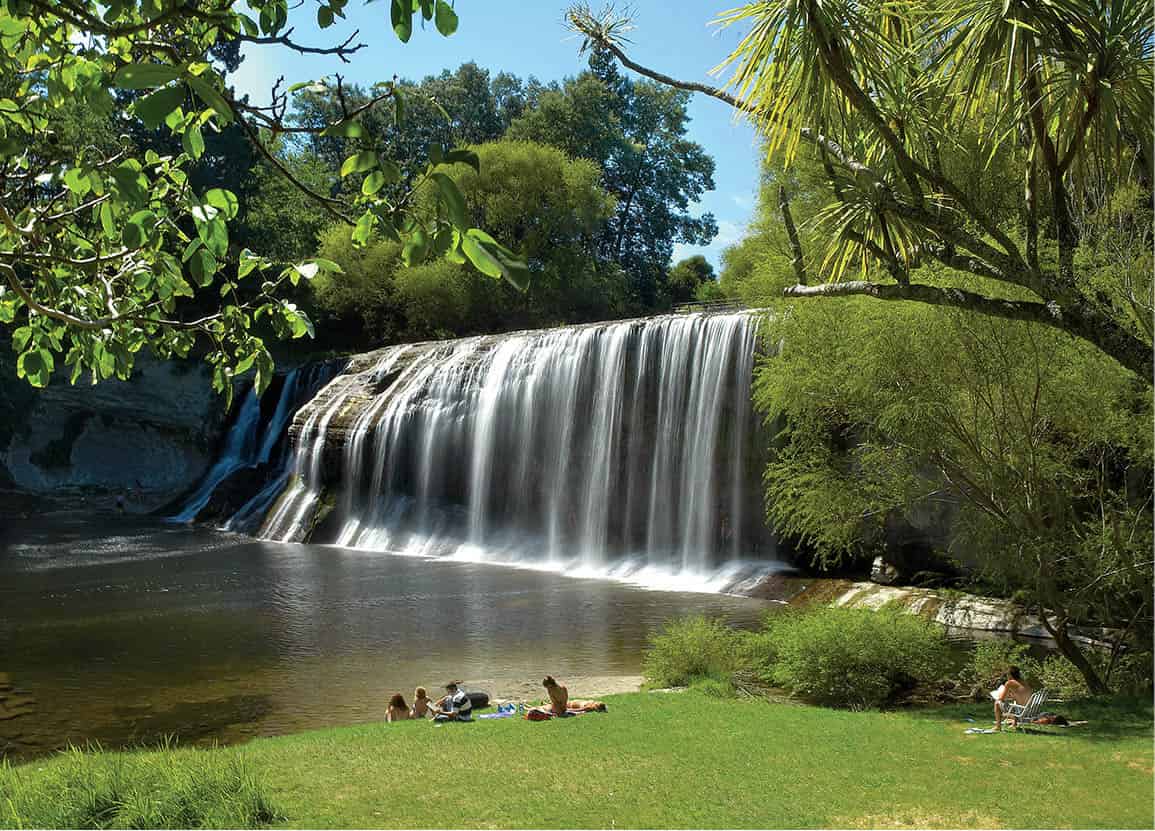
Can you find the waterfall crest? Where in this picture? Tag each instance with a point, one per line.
(618, 449)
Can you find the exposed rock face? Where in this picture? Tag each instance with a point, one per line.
(969, 612)
(147, 438)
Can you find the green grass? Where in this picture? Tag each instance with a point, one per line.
(689, 760)
(144, 789)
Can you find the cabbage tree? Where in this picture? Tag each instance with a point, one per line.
(882, 88)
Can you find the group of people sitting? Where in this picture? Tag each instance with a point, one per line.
(456, 704)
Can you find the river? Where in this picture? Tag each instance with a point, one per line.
(125, 630)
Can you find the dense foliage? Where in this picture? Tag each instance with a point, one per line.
(856, 658)
(883, 91)
(107, 234)
(636, 132)
(546, 206)
(692, 649)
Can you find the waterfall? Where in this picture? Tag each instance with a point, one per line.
(240, 445)
(252, 442)
(611, 449)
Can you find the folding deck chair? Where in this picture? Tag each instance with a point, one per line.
(1028, 713)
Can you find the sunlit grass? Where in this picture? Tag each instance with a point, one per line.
(693, 761)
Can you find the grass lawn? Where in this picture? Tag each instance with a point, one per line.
(691, 761)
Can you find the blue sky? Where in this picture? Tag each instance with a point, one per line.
(529, 39)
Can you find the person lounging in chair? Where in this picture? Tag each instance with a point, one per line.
(454, 705)
(1013, 690)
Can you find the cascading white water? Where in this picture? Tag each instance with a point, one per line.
(251, 442)
(239, 450)
(607, 449)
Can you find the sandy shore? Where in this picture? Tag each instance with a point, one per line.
(580, 686)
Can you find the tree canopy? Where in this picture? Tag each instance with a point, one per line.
(547, 206)
(110, 245)
(882, 90)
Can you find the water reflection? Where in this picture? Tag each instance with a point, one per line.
(123, 630)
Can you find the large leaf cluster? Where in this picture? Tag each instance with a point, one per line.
(106, 250)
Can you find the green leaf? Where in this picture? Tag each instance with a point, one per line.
(203, 266)
(193, 142)
(155, 107)
(359, 163)
(401, 14)
(106, 221)
(482, 260)
(307, 270)
(265, 369)
(328, 265)
(20, 338)
(373, 183)
(398, 108)
(248, 261)
(345, 129)
(36, 365)
(225, 200)
(207, 93)
(416, 248)
(445, 18)
(215, 235)
(482, 249)
(137, 229)
(76, 181)
(130, 182)
(461, 156)
(364, 228)
(324, 17)
(144, 75)
(452, 198)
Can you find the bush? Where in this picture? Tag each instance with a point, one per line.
(855, 658)
(990, 660)
(166, 789)
(694, 648)
(1062, 679)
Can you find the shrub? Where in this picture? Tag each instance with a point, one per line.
(1062, 678)
(693, 648)
(166, 789)
(855, 658)
(990, 660)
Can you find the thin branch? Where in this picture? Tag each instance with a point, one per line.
(342, 51)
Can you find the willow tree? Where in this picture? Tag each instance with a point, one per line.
(105, 251)
(881, 87)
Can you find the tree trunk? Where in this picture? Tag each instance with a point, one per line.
(1071, 651)
(797, 262)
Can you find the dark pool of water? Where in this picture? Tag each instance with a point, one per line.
(124, 630)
